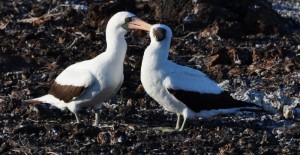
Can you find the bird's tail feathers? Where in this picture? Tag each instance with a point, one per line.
(256, 109)
(248, 106)
(47, 99)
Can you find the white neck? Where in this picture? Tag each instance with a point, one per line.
(116, 45)
(155, 54)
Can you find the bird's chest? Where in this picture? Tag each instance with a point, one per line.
(108, 82)
(152, 83)
(110, 79)
(155, 88)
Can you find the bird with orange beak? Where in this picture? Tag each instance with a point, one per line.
(91, 82)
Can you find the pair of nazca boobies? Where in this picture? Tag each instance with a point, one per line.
(179, 89)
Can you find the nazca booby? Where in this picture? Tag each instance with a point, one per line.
(91, 82)
(180, 89)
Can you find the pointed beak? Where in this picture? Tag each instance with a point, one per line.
(139, 24)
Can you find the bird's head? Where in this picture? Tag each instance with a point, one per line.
(160, 33)
(125, 21)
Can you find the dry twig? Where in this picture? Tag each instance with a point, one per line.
(53, 153)
(45, 16)
(191, 33)
(3, 25)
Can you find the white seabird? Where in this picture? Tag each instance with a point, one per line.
(179, 89)
(91, 82)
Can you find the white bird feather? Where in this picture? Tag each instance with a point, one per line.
(91, 82)
(179, 89)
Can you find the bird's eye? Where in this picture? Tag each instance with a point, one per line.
(128, 19)
(159, 33)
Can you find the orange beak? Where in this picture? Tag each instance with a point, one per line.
(139, 24)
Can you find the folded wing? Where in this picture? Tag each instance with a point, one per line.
(194, 89)
(71, 83)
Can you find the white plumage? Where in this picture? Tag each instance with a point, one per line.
(179, 89)
(91, 82)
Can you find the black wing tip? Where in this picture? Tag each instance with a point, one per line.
(197, 101)
(250, 105)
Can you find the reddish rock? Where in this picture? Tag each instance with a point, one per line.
(236, 71)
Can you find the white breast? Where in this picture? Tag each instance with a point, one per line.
(152, 81)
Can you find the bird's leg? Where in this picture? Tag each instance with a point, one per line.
(185, 115)
(97, 114)
(178, 122)
(183, 124)
(77, 116)
(97, 118)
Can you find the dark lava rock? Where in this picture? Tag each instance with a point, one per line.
(99, 13)
(82, 131)
(170, 10)
(228, 18)
(242, 43)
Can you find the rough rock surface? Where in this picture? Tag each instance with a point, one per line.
(236, 42)
(229, 18)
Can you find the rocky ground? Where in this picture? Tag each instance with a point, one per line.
(247, 47)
